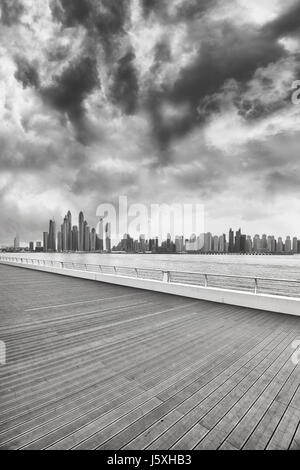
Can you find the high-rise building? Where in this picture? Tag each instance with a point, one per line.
(237, 245)
(59, 242)
(52, 236)
(295, 245)
(264, 243)
(249, 244)
(81, 232)
(69, 231)
(288, 245)
(93, 240)
(271, 244)
(280, 245)
(179, 244)
(38, 247)
(75, 238)
(16, 243)
(243, 240)
(231, 241)
(108, 237)
(45, 241)
(142, 243)
(31, 246)
(86, 237)
(208, 242)
(222, 244)
(256, 244)
(65, 234)
(215, 244)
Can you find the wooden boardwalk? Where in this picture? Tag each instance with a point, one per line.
(96, 366)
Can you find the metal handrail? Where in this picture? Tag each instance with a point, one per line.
(165, 273)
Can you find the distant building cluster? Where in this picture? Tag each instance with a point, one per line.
(82, 238)
(207, 243)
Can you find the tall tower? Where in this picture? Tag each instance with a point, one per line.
(65, 234)
(86, 246)
(108, 237)
(231, 241)
(237, 247)
(81, 232)
(16, 243)
(45, 241)
(52, 236)
(69, 231)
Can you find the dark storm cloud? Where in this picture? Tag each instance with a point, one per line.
(257, 109)
(284, 182)
(71, 12)
(102, 18)
(190, 9)
(162, 52)
(124, 90)
(236, 54)
(287, 24)
(70, 89)
(11, 11)
(26, 73)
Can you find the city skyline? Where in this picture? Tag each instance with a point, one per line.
(84, 238)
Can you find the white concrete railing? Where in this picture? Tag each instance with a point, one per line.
(254, 285)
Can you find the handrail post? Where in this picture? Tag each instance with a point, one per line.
(205, 280)
(136, 272)
(100, 267)
(115, 269)
(62, 265)
(255, 285)
(166, 276)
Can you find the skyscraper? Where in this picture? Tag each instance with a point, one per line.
(81, 232)
(288, 245)
(52, 236)
(86, 236)
(45, 241)
(59, 242)
(108, 237)
(249, 244)
(208, 242)
(16, 243)
(69, 232)
(295, 245)
(279, 245)
(237, 246)
(65, 234)
(93, 240)
(75, 238)
(231, 241)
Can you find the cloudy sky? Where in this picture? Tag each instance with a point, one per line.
(159, 100)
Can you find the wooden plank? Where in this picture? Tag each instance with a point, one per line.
(111, 367)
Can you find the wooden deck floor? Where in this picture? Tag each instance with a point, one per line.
(96, 366)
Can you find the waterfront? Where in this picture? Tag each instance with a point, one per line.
(283, 267)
